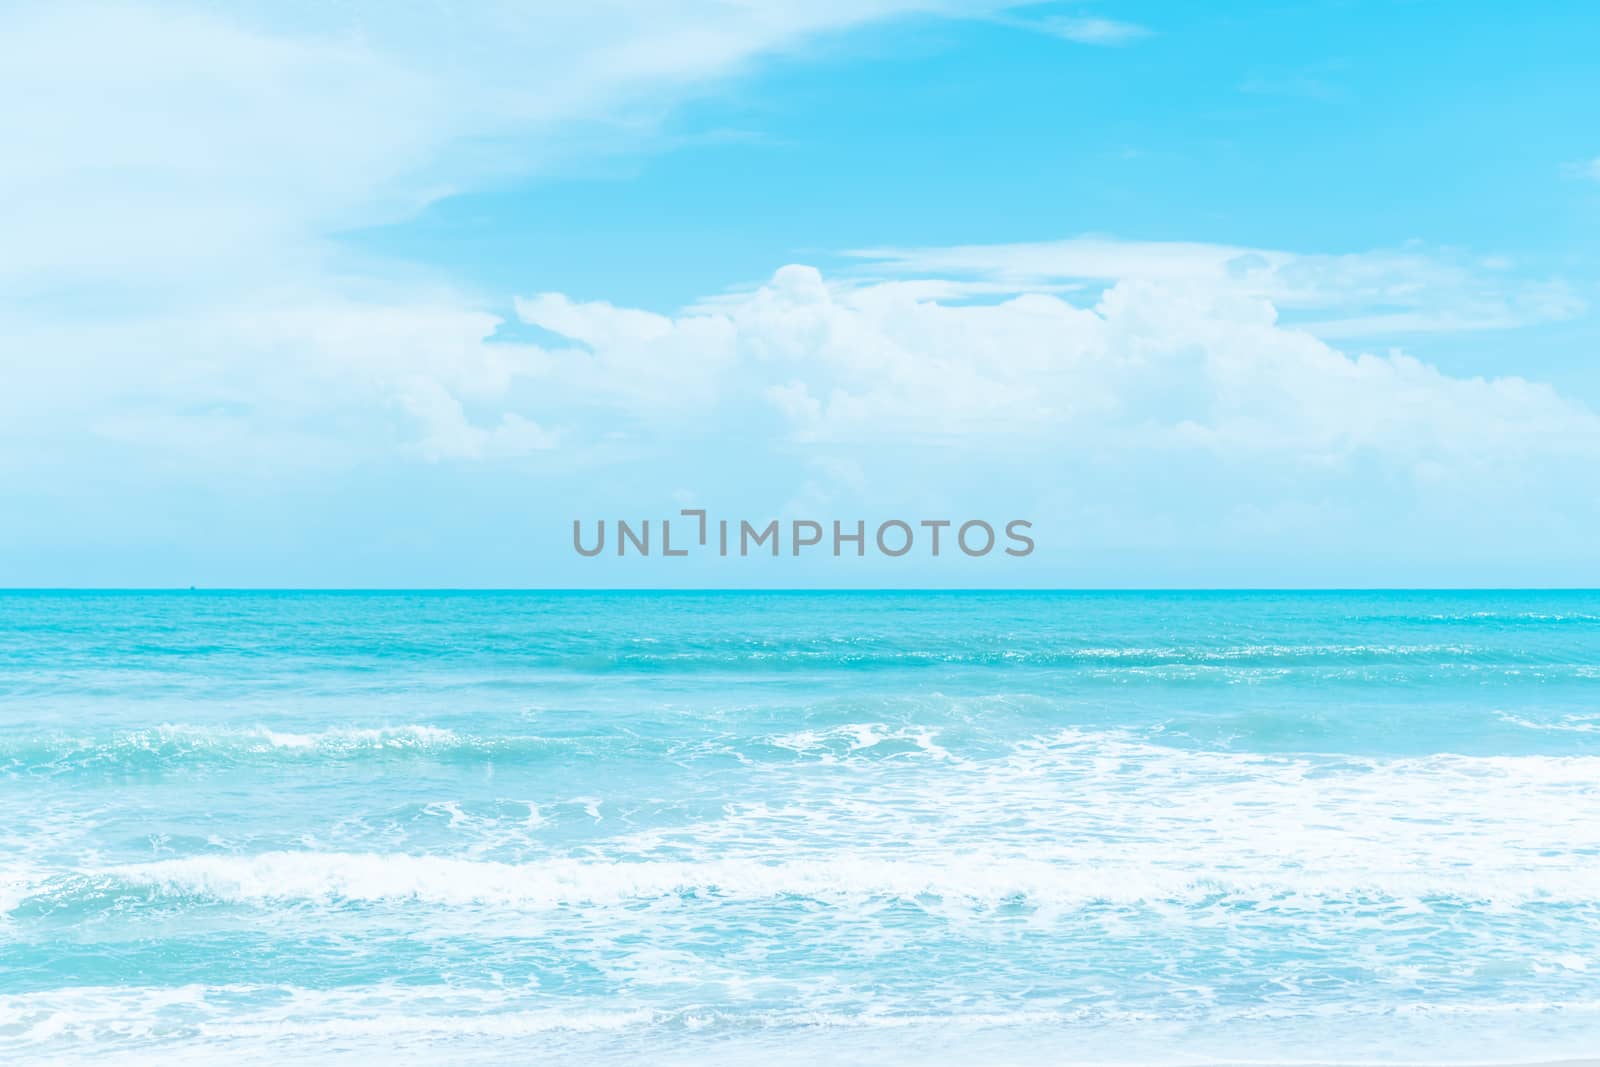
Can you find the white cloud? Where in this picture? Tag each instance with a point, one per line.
(1089, 30)
(635, 358)
(1184, 353)
(1589, 169)
(169, 139)
(282, 388)
(450, 435)
(171, 135)
(177, 308)
(175, 180)
(1162, 417)
(190, 166)
(1385, 292)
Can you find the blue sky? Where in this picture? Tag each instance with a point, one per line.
(1236, 294)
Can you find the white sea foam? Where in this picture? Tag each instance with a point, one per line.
(333, 739)
(831, 743)
(1059, 821)
(1498, 828)
(975, 878)
(107, 1015)
(1577, 724)
(222, 1022)
(180, 742)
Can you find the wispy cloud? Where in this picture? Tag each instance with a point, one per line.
(1385, 292)
(1090, 30)
(1099, 31)
(181, 193)
(1589, 169)
(1316, 81)
(236, 137)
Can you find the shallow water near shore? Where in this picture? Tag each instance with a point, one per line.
(1111, 828)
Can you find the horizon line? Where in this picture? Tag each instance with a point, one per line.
(800, 589)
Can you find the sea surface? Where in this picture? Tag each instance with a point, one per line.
(974, 828)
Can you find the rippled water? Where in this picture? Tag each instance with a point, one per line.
(1029, 828)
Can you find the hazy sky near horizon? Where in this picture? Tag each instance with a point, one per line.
(1239, 294)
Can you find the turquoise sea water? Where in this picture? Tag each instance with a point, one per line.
(918, 828)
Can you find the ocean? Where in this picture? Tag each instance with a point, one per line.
(1031, 828)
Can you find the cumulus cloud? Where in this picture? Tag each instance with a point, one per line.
(1173, 410)
(450, 435)
(631, 358)
(1188, 354)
